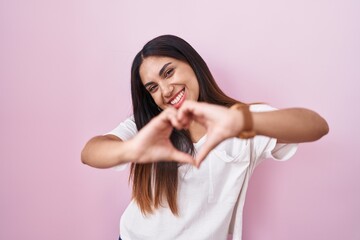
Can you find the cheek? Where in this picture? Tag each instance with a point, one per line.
(157, 98)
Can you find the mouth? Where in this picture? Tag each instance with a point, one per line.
(178, 99)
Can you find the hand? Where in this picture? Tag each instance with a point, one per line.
(220, 122)
(152, 143)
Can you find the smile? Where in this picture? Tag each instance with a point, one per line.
(178, 98)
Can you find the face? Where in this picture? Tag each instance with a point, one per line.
(169, 81)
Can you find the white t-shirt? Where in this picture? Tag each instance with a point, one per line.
(211, 198)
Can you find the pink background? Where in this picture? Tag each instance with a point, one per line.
(64, 77)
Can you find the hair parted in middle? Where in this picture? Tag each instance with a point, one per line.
(155, 182)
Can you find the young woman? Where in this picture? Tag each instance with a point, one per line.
(192, 149)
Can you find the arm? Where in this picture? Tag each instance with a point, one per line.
(107, 151)
(293, 125)
(289, 125)
(151, 144)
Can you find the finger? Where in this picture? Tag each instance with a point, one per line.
(185, 116)
(162, 121)
(175, 122)
(191, 110)
(187, 109)
(182, 157)
(185, 120)
(170, 115)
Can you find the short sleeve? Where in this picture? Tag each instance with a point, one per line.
(125, 131)
(265, 147)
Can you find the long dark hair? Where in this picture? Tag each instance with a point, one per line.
(153, 182)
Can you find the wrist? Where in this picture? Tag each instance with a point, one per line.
(129, 152)
(247, 130)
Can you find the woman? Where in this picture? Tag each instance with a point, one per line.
(192, 149)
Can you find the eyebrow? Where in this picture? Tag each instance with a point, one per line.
(163, 68)
(160, 73)
(147, 84)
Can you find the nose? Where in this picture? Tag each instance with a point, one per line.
(166, 90)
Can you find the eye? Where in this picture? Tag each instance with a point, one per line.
(169, 72)
(152, 88)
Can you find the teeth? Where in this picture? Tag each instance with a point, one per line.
(177, 99)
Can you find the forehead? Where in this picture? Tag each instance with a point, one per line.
(151, 66)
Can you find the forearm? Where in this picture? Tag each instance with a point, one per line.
(292, 125)
(107, 151)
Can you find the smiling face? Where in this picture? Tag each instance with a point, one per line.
(169, 81)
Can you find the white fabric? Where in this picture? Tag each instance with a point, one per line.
(210, 198)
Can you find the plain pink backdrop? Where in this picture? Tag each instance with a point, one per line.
(64, 77)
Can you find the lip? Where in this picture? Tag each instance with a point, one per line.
(177, 105)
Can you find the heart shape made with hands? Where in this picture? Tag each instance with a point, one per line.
(220, 123)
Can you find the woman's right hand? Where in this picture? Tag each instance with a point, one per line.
(152, 143)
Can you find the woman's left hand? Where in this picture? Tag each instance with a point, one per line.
(220, 122)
